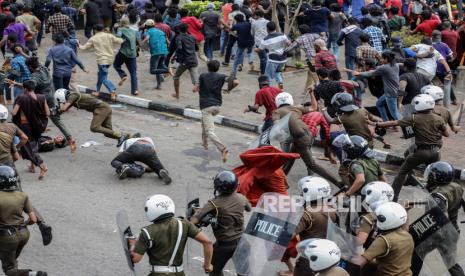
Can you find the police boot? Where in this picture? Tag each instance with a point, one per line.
(121, 140)
(46, 232)
(163, 174)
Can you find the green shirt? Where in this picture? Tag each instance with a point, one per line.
(163, 236)
(12, 206)
(129, 46)
(84, 101)
(368, 166)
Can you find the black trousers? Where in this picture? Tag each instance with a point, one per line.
(222, 252)
(143, 153)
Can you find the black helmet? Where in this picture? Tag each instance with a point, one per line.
(439, 173)
(343, 102)
(356, 147)
(225, 182)
(8, 178)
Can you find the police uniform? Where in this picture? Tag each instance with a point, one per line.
(313, 224)
(444, 113)
(367, 224)
(356, 123)
(428, 129)
(302, 139)
(7, 146)
(229, 212)
(393, 253)
(13, 233)
(333, 271)
(449, 198)
(101, 121)
(368, 166)
(159, 239)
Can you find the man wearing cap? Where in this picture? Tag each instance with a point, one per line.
(158, 44)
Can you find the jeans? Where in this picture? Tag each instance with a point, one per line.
(88, 29)
(40, 32)
(158, 67)
(102, 78)
(350, 64)
(240, 57)
(208, 127)
(263, 59)
(192, 71)
(392, 106)
(332, 45)
(61, 82)
(229, 49)
(131, 64)
(208, 48)
(144, 153)
(273, 71)
(223, 41)
(17, 91)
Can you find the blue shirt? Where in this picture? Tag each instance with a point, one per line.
(21, 72)
(64, 60)
(70, 12)
(245, 38)
(172, 22)
(157, 42)
(317, 19)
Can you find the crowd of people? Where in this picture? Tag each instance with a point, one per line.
(413, 85)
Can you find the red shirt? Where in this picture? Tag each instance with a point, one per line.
(266, 97)
(325, 59)
(164, 28)
(194, 27)
(226, 9)
(427, 27)
(450, 38)
(395, 3)
(315, 119)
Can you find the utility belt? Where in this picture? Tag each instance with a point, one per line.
(10, 231)
(228, 243)
(166, 269)
(428, 147)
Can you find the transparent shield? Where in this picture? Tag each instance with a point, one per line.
(275, 135)
(125, 232)
(267, 234)
(192, 203)
(435, 237)
(346, 241)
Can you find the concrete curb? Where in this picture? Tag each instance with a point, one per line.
(381, 156)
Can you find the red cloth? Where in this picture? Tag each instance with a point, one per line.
(427, 27)
(164, 28)
(325, 59)
(395, 3)
(266, 97)
(194, 27)
(450, 38)
(262, 172)
(315, 119)
(291, 250)
(226, 10)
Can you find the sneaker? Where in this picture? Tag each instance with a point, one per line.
(123, 173)
(121, 140)
(165, 176)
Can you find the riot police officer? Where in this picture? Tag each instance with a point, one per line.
(393, 246)
(359, 166)
(314, 221)
(165, 239)
(8, 149)
(323, 256)
(428, 129)
(14, 234)
(438, 95)
(448, 195)
(225, 214)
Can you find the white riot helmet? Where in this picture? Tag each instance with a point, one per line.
(61, 95)
(434, 91)
(377, 193)
(159, 207)
(321, 253)
(314, 188)
(3, 112)
(423, 102)
(390, 215)
(284, 98)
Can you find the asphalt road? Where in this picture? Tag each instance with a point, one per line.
(81, 194)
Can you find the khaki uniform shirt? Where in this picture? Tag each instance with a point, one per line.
(367, 223)
(427, 127)
(356, 123)
(368, 166)
(452, 194)
(296, 126)
(444, 113)
(314, 224)
(12, 206)
(163, 236)
(334, 271)
(230, 215)
(393, 253)
(7, 147)
(86, 102)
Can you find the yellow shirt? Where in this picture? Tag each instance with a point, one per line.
(103, 44)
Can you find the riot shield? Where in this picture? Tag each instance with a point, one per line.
(434, 236)
(267, 235)
(274, 135)
(125, 232)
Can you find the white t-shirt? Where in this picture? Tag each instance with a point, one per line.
(427, 64)
(129, 142)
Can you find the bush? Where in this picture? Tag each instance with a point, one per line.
(197, 7)
(407, 38)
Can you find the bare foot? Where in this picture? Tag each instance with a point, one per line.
(225, 155)
(205, 146)
(113, 96)
(95, 93)
(72, 145)
(175, 96)
(43, 170)
(123, 79)
(32, 168)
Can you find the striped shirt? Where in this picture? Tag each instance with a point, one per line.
(274, 44)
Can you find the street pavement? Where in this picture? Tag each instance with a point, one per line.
(81, 193)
